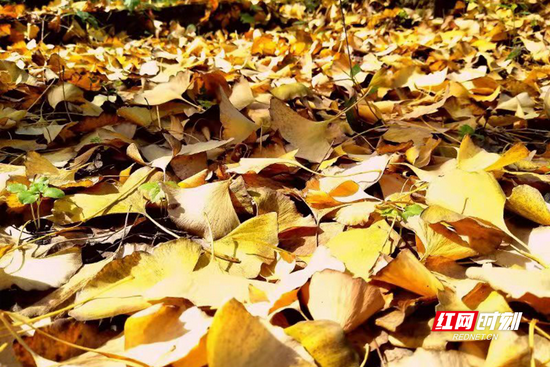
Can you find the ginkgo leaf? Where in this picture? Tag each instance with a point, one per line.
(320, 260)
(467, 232)
(113, 200)
(241, 94)
(514, 282)
(67, 290)
(352, 300)
(256, 165)
(236, 126)
(65, 92)
(38, 166)
(472, 194)
(207, 287)
(253, 243)
(119, 287)
(290, 91)
(437, 240)
(528, 202)
(7, 171)
(238, 339)
(359, 249)
(472, 158)
(514, 349)
(268, 200)
(398, 270)
(203, 209)
(326, 342)
(165, 92)
(166, 334)
(308, 136)
(20, 267)
(356, 214)
(355, 178)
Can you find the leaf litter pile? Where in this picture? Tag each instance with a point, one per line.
(303, 189)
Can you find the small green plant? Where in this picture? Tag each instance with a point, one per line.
(411, 211)
(131, 5)
(87, 18)
(515, 53)
(468, 130)
(403, 14)
(355, 69)
(405, 214)
(34, 193)
(247, 18)
(154, 191)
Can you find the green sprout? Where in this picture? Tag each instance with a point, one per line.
(35, 191)
(468, 130)
(154, 190)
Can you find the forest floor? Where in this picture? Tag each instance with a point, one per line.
(274, 184)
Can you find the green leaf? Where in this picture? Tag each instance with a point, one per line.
(247, 18)
(465, 130)
(16, 188)
(206, 104)
(356, 69)
(27, 197)
(88, 18)
(390, 212)
(39, 185)
(411, 211)
(53, 192)
(516, 52)
(154, 191)
(131, 4)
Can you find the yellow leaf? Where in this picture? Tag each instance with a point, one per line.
(206, 287)
(201, 209)
(356, 214)
(352, 300)
(290, 91)
(238, 339)
(38, 166)
(472, 194)
(437, 240)
(236, 126)
(472, 158)
(326, 342)
(354, 178)
(268, 201)
(528, 202)
(23, 268)
(308, 136)
(82, 207)
(359, 249)
(165, 92)
(398, 272)
(252, 242)
(164, 334)
(65, 92)
(119, 287)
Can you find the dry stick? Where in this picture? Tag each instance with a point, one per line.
(532, 325)
(112, 356)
